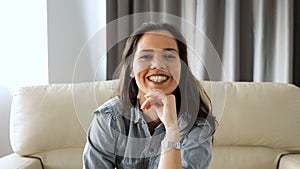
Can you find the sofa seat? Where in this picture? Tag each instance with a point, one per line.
(244, 157)
(70, 158)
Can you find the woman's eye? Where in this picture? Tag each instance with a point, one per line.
(170, 56)
(145, 57)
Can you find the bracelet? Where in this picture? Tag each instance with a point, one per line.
(170, 144)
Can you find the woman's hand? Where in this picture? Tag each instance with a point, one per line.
(165, 106)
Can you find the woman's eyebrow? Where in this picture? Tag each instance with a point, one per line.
(165, 49)
(170, 49)
(147, 50)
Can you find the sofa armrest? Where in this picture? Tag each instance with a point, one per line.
(290, 161)
(15, 161)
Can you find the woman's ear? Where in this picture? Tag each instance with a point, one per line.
(131, 74)
(131, 70)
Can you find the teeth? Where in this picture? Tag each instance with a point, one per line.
(158, 78)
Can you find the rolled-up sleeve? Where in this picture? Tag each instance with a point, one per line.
(99, 151)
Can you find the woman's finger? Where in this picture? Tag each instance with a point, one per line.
(156, 93)
(146, 105)
(151, 101)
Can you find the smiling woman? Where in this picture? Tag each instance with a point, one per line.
(162, 116)
(156, 64)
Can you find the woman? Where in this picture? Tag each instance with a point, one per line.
(161, 117)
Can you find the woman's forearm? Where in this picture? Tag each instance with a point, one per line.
(170, 156)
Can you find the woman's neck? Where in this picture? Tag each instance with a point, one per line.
(152, 125)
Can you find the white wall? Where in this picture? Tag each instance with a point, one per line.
(40, 44)
(23, 54)
(77, 39)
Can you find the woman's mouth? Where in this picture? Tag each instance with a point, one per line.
(158, 78)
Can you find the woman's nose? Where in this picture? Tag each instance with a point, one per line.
(158, 64)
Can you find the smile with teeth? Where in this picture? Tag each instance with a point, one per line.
(158, 79)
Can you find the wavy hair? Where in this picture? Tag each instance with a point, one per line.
(190, 95)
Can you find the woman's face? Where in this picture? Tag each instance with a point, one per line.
(156, 63)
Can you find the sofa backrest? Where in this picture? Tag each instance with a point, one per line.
(256, 114)
(55, 116)
(51, 117)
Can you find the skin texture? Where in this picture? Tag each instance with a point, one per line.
(157, 55)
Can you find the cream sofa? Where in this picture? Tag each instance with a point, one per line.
(259, 125)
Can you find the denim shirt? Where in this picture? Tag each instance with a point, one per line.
(120, 138)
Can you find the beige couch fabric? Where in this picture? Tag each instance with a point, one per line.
(18, 162)
(290, 161)
(260, 114)
(45, 121)
(258, 122)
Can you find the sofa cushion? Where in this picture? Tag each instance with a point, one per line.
(62, 158)
(55, 116)
(243, 157)
(256, 114)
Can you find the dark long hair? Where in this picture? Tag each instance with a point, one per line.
(190, 95)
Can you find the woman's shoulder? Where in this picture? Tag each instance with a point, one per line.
(202, 129)
(110, 115)
(113, 107)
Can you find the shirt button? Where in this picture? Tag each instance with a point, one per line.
(151, 149)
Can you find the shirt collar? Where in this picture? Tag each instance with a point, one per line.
(137, 113)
